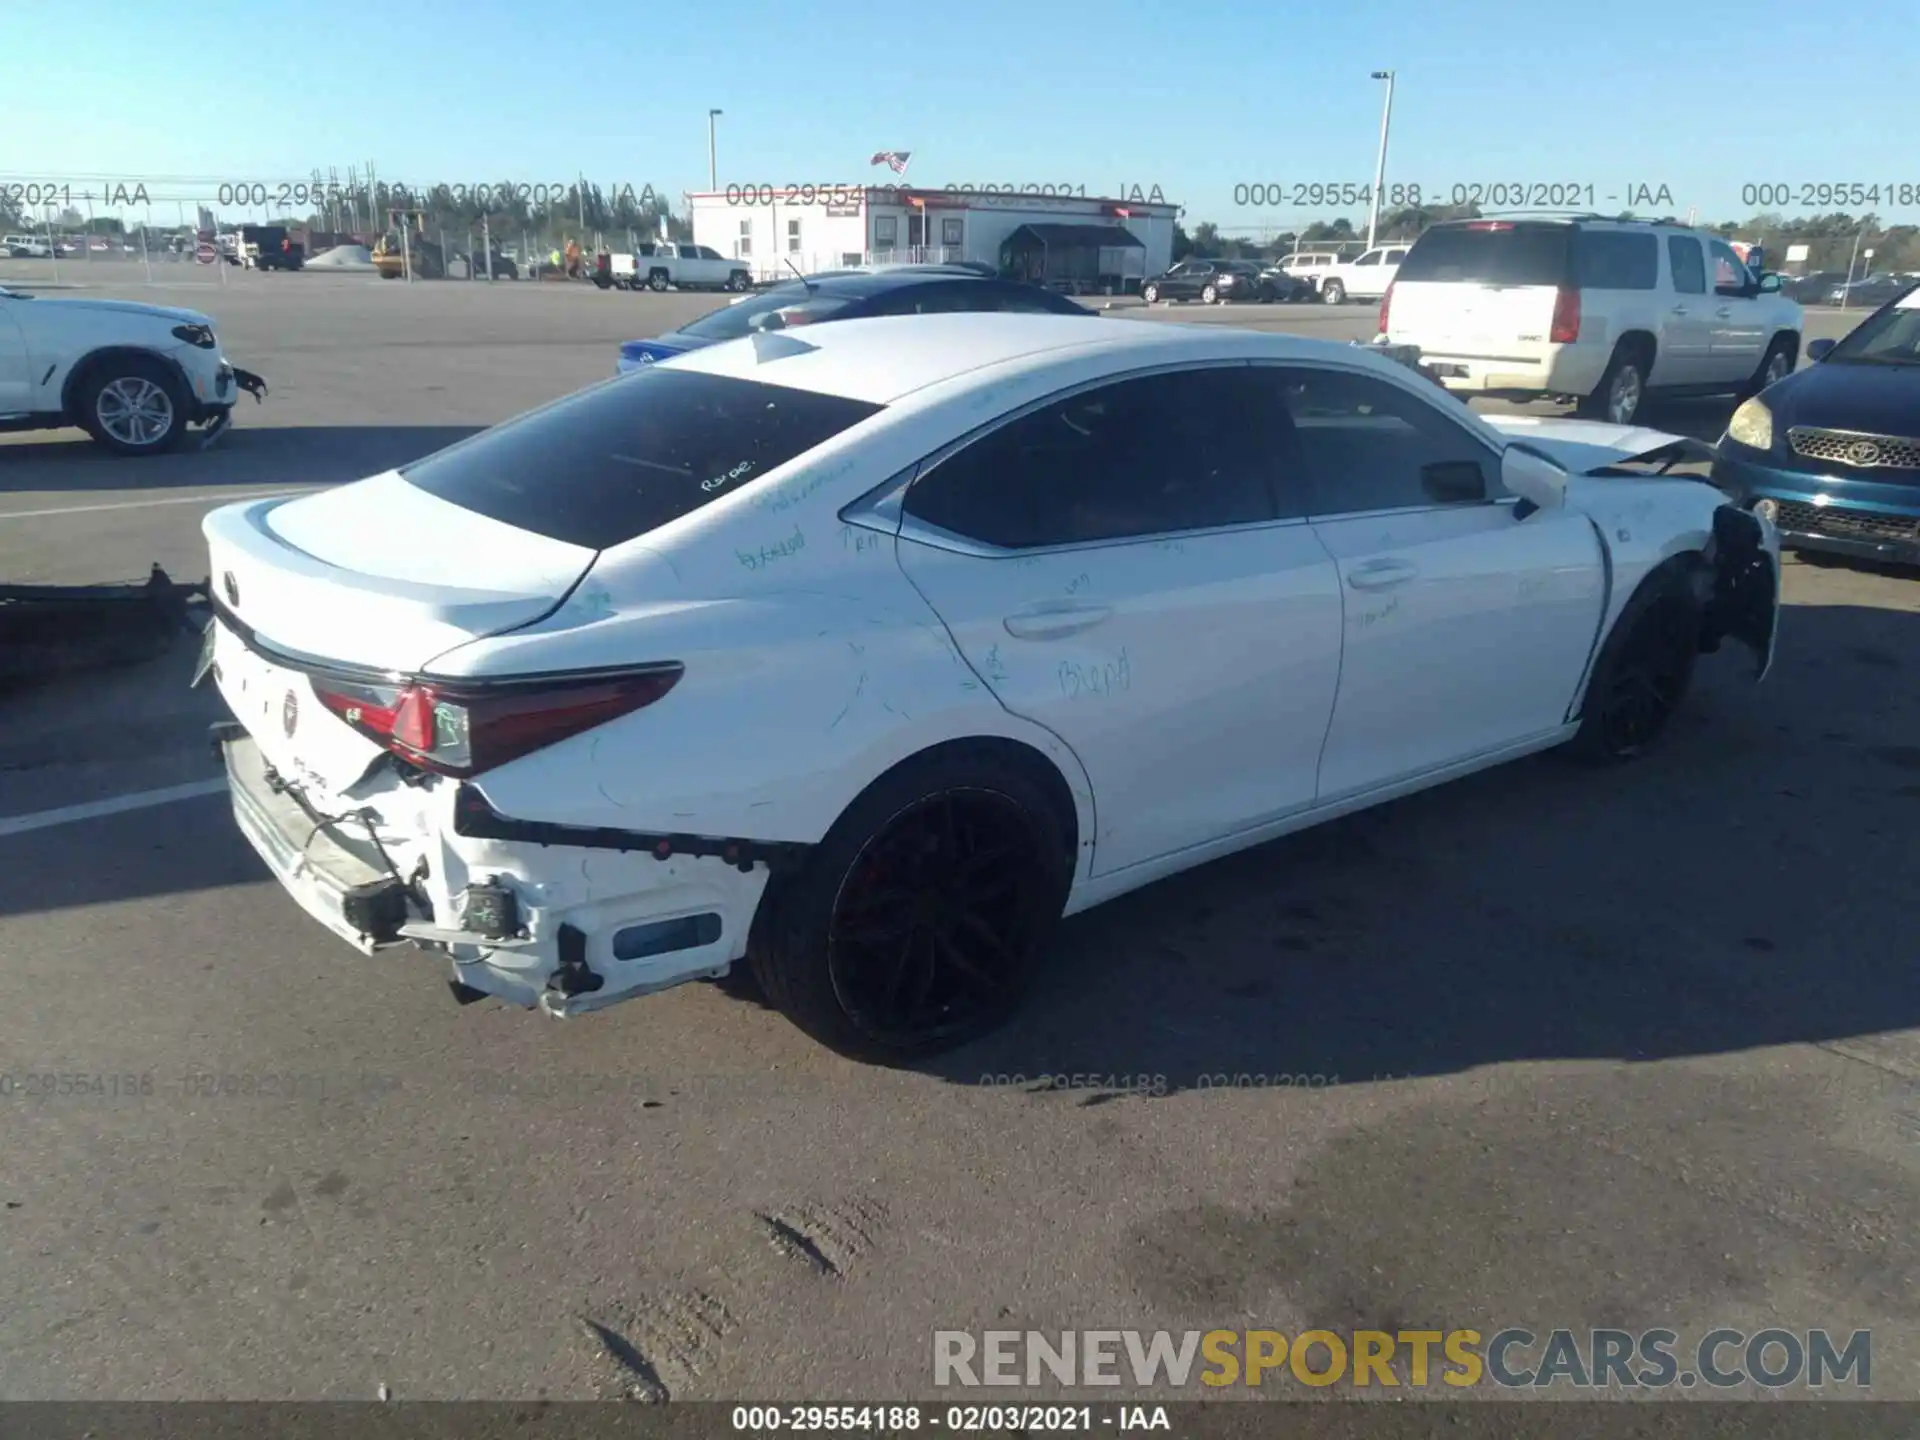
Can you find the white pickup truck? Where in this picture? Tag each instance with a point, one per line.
(1363, 278)
(658, 264)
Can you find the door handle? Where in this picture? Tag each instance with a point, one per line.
(1381, 574)
(1724, 313)
(1679, 309)
(1055, 620)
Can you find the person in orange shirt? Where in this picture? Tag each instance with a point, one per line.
(573, 259)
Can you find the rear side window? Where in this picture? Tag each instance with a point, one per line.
(1616, 260)
(1497, 253)
(611, 463)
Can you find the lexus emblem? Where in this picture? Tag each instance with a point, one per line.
(290, 713)
(1863, 452)
(232, 588)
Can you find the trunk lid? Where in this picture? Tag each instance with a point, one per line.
(373, 576)
(380, 574)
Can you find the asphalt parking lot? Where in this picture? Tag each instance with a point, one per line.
(1544, 1047)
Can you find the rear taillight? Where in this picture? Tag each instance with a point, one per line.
(1386, 307)
(1566, 317)
(462, 728)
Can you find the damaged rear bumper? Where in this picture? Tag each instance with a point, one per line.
(555, 923)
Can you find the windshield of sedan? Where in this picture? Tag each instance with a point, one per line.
(1891, 337)
(775, 310)
(609, 464)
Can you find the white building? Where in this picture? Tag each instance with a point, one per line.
(1071, 241)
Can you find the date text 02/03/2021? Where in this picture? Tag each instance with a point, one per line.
(1501, 194)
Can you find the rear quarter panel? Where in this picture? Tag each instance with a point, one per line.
(812, 664)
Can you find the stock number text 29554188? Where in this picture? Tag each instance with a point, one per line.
(1818, 194)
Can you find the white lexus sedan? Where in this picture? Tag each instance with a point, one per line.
(863, 655)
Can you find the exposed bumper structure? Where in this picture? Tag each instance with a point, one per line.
(538, 915)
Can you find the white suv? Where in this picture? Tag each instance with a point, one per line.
(1598, 313)
(27, 247)
(133, 376)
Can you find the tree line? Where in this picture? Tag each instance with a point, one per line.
(509, 210)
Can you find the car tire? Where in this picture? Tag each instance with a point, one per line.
(739, 281)
(657, 281)
(1775, 366)
(1644, 670)
(1151, 294)
(1622, 391)
(897, 857)
(1209, 295)
(1333, 293)
(133, 405)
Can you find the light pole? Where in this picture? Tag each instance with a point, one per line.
(713, 165)
(1380, 169)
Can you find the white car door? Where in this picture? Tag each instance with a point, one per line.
(1685, 353)
(15, 386)
(1465, 628)
(1117, 565)
(1737, 332)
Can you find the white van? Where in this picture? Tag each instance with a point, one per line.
(27, 247)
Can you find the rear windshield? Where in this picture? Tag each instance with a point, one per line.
(772, 310)
(612, 462)
(1511, 254)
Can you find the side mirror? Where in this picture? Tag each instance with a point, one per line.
(1453, 482)
(1534, 476)
(1769, 284)
(1820, 349)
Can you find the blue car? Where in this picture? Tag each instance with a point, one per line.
(1831, 454)
(849, 295)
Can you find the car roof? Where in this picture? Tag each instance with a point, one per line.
(883, 360)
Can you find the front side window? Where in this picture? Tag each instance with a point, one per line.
(1730, 273)
(1372, 257)
(1154, 455)
(1364, 444)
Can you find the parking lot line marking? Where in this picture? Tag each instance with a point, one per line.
(169, 500)
(116, 805)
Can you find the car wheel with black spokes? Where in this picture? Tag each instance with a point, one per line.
(1644, 670)
(914, 926)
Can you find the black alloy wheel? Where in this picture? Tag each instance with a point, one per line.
(1647, 678)
(930, 934)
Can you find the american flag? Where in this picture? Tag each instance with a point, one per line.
(894, 160)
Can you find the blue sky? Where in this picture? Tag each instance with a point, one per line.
(1197, 99)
